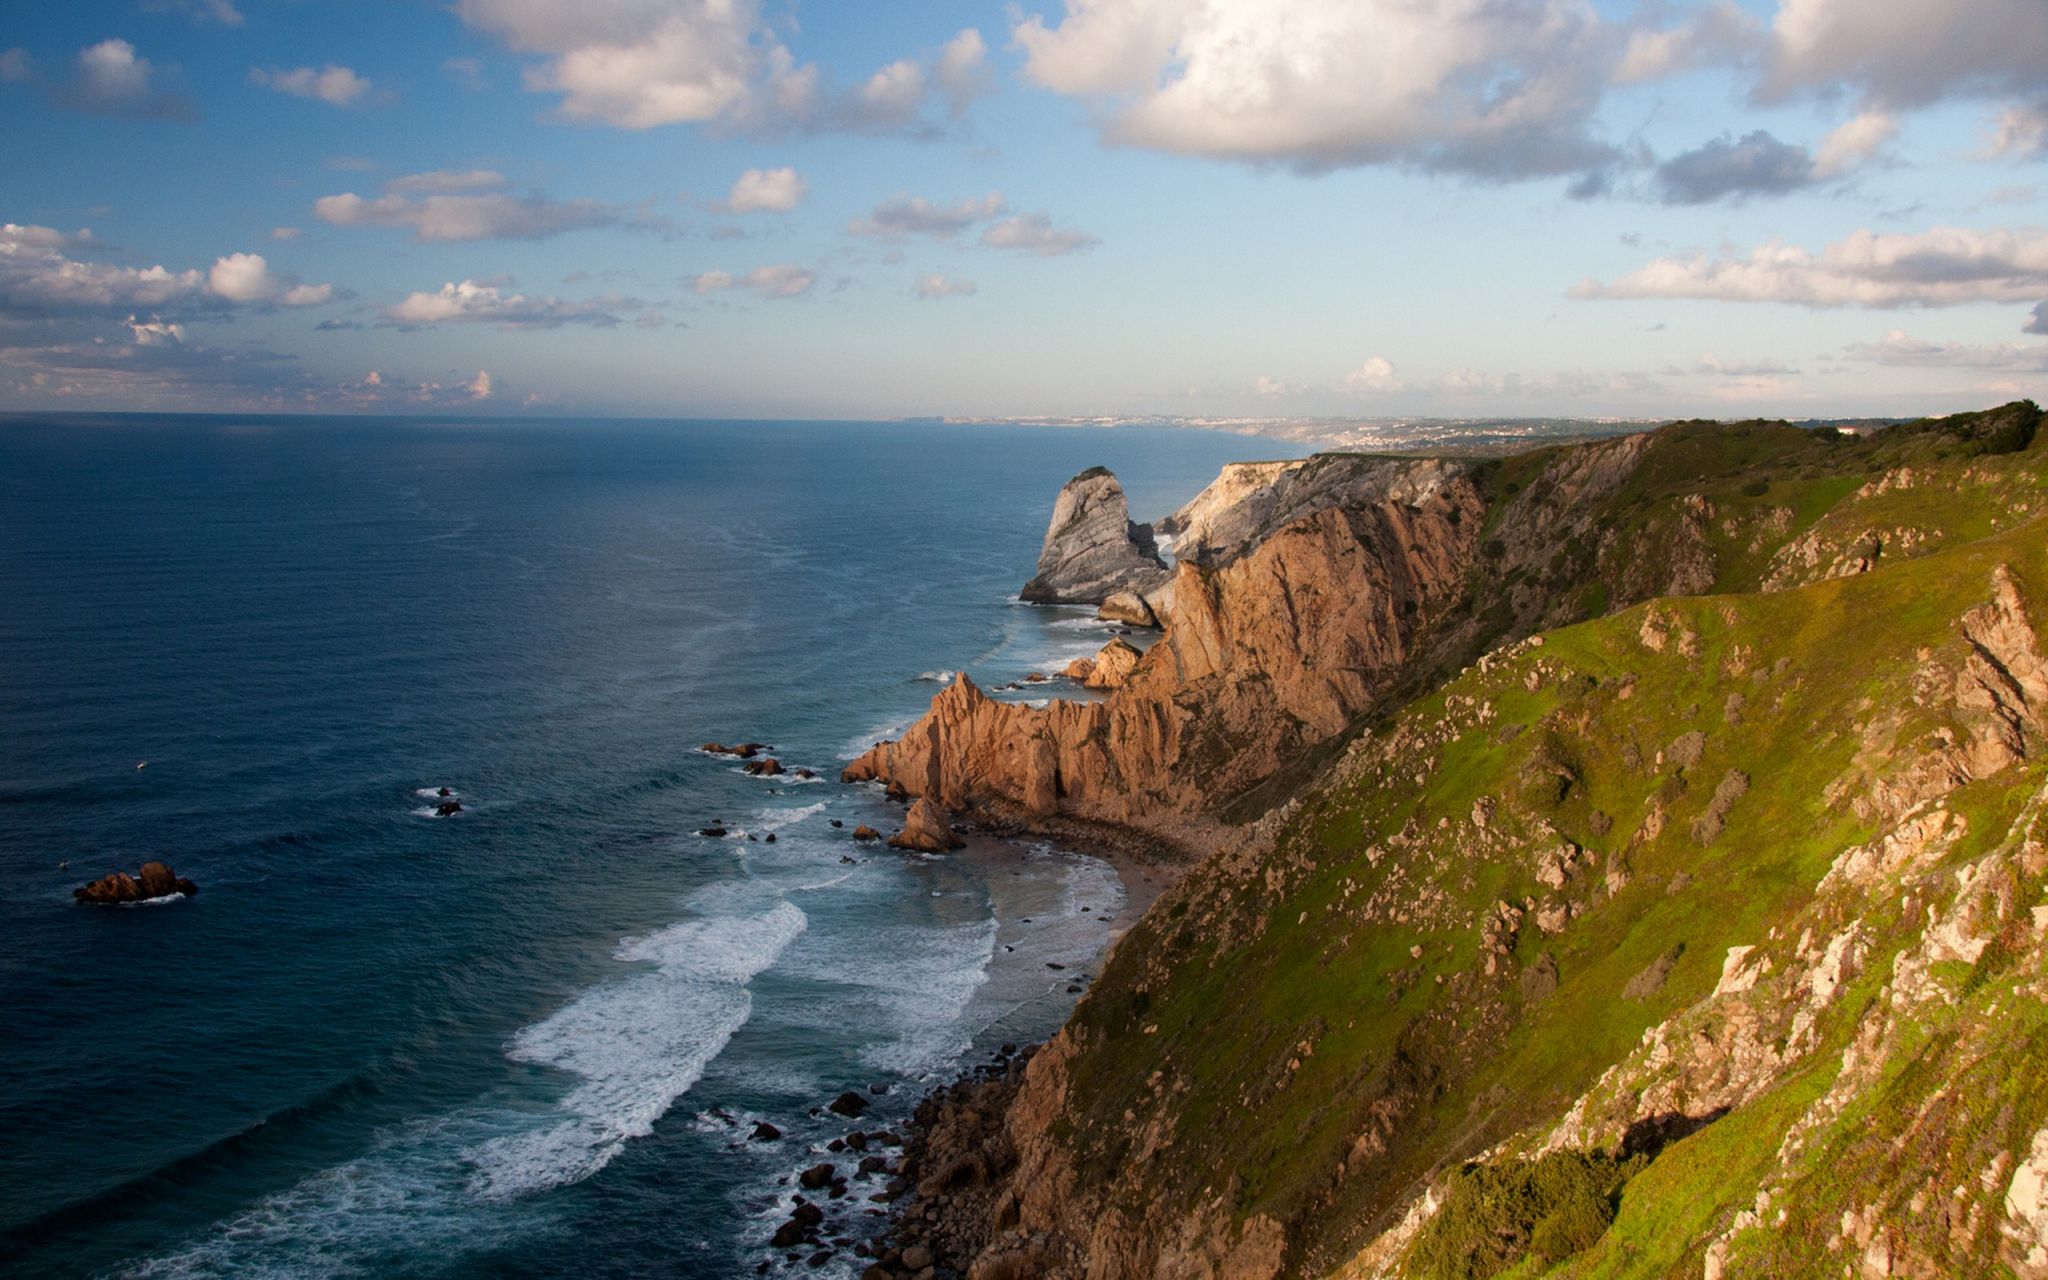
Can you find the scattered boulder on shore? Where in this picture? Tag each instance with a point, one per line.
(155, 880)
(925, 830)
(1092, 547)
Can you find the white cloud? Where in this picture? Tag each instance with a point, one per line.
(1715, 365)
(1899, 348)
(903, 216)
(1034, 233)
(444, 182)
(39, 278)
(241, 277)
(479, 387)
(767, 190)
(1909, 52)
(1855, 142)
(285, 233)
(472, 302)
(1946, 266)
(1493, 88)
(641, 64)
(783, 280)
(1375, 375)
(2022, 131)
(933, 285)
(333, 84)
(961, 72)
(113, 80)
(1266, 385)
(153, 333)
(1717, 33)
(466, 217)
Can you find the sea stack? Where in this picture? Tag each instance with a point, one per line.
(1093, 549)
(925, 830)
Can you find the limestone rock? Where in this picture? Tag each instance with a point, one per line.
(1092, 548)
(925, 830)
(1128, 607)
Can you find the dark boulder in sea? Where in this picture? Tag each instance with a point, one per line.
(816, 1178)
(444, 792)
(744, 750)
(766, 768)
(765, 1132)
(866, 832)
(716, 833)
(848, 1104)
(155, 880)
(447, 808)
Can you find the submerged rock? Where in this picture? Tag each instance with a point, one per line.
(925, 830)
(155, 880)
(1093, 549)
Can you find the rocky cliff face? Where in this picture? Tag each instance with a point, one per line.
(1249, 500)
(1701, 939)
(1093, 549)
(1263, 659)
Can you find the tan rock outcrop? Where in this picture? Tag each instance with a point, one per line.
(1112, 667)
(925, 830)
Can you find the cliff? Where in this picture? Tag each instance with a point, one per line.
(1699, 937)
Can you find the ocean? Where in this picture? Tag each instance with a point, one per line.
(531, 1038)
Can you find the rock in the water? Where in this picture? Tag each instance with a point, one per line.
(765, 1132)
(866, 832)
(156, 880)
(716, 833)
(848, 1104)
(764, 768)
(815, 1178)
(1127, 606)
(447, 808)
(1112, 666)
(1092, 548)
(926, 830)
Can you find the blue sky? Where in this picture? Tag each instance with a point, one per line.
(1119, 207)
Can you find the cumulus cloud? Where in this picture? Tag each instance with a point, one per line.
(1734, 169)
(333, 84)
(783, 280)
(472, 302)
(641, 64)
(961, 73)
(485, 216)
(1492, 88)
(1946, 266)
(1906, 53)
(40, 278)
(1267, 385)
(1375, 375)
(904, 216)
(933, 285)
(1899, 348)
(113, 80)
(2037, 321)
(767, 191)
(479, 387)
(1713, 35)
(1034, 233)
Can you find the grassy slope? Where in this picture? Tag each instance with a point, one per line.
(1311, 1065)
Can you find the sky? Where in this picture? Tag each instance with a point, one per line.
(1118, 208)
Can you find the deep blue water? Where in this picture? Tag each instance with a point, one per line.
(507, 1042)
